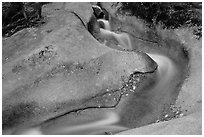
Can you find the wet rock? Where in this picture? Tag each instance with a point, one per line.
(98, 12)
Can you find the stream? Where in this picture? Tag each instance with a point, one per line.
(110, 121)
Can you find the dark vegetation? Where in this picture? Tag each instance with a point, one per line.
(19, 15)
(169, 14)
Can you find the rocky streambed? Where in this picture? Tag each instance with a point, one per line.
(78, 74)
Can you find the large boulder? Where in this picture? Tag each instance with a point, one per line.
(53, 69)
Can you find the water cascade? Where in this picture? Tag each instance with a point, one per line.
(123, 39)
(105, 23)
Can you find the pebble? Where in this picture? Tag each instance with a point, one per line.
(181, 115)
(132, 90)
(166, 115)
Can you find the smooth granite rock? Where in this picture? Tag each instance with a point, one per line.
(52, 69)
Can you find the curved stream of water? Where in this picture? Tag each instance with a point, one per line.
(166, 72)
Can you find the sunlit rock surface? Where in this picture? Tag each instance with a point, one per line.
(57, 67)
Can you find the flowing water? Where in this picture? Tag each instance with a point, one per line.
(122, 39)
(98, 125)
(166, 70)
(105, 24)
(110, 121)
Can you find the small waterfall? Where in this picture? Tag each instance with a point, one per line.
(123, 39)
(106, 24)
(166, 68)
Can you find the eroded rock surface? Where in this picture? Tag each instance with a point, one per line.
(57, 67)
(62, 72)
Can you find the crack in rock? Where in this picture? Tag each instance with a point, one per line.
(111, 98)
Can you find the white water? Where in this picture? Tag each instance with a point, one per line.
(106, 124)
(166, 71)
(123, 39)
(106, 24)
(95, 127)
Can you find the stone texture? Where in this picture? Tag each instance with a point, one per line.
(52, 69)
(189, 125)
